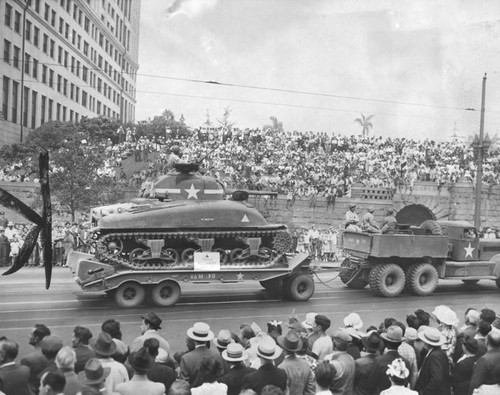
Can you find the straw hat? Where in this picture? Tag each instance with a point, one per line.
(200, 331)
(267, 349)
(445, 315)
(431, 336)
(234, 353)
(223, 339)
(353, 320)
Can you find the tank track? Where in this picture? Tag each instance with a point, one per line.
(281, 244)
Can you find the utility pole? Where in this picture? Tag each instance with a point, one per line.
(23, 69)
(480, 150)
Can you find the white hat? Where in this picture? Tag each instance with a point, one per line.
(200, 332)
(309, 322)
(234, 353)
(431, 336)
(353, 320)
(268, 349)
(445, 315)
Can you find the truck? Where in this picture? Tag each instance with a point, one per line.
(188, 229)
(416, 258)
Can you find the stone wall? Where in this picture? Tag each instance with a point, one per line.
(454, 202)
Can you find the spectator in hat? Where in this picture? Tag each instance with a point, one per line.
(190, 366)
(408, 353)
(372, 344)
(209, 369)
(142, 362)
(80, 343)
(447, 321)
(308, 324)
(267, 373)
(484, 369)
(52, 383)
(35, 360)
(352, 219)
(323, 344)
(94, 376)
(345, 365)
(104, 348)
(469, 329)
(150, 326)
(223, 339)
(65, 362)
(300, 378)
(462, 370)
(434, 375)
(352, 326)
(159, 372)
(14, 378)
(378, 380)
(323, 375)
(235, 355)
(398, 374)
(112, 327)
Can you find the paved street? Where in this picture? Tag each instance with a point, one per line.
(24, 302)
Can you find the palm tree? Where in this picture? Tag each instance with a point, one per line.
(365, 124)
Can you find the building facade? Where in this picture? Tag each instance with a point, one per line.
(66, 59)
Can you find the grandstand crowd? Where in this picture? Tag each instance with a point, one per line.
(430, 354)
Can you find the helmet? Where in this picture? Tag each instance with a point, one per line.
(352, 205)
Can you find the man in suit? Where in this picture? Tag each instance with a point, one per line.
(267, 351)
(434, 376)
(463, 368)
(80, 343)
(14, 378)
(234, 355)
(191, 361)
(372, 343)
(35, 360)
(484, 367)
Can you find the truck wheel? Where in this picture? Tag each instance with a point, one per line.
(130, 294)
(422, 279)
(166, 293)
(347, 273)
(432, 227)
(387, 280)
(301, 287)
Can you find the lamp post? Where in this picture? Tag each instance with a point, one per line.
(480, 145)
(23, 68)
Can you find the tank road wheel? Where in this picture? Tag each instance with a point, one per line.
(169, 256)
(166, 293)
(422, 279)
(239, 255)
(114, 246)
(136, 256)
(346, 275)
(187, 256)
(223, 255)
(266, 254)
(387, 279)
(300, 288)
(432, 227)
(130, 294)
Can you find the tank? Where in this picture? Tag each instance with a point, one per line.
(184, 212)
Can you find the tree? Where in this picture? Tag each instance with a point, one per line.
(365, 124)
(224, 122)
(275, 126)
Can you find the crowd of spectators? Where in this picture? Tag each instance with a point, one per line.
(429, 354)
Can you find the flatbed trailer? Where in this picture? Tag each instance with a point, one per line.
(291, 279)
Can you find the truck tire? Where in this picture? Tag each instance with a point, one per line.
(432, 227)
(346, 276)
(422, 279)
(387, 280)
(166, 293)
(300, 287)
(129, 294)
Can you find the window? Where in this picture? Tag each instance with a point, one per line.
(79, 41)
(51, 78)
(45, 47)
(27, 61)
(51, 108)
(59, 55)
(8, 17)
(5, 102)
(34, 98)
(78, 68)
(71, 90)
(17, 22)
(66, 59)
(28, 31)
(62, 3)
(86, 24)
(44, 74)
(80, 14)
(6, 51)
(46, 13)
(65, 87)
(71, 115)
(37, 5)
(36, 35)
(53, 19)
(68, 6)
(61, 25)
(84, 98)
(16, 57)
(52, 48)
(75, 12)
(85, 73)
(73, 37)
(86, 48)
(66, 31)
(77, 94)
(59, 83)
(58, 112)
(99, 85)
(43, 109)
(35, 69)
(15, 93)
(25, 106)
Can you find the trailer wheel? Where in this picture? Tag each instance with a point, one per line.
(346, 276)
(422, 279)
(432, 227)
(166, 293)
(130, 294)
(387, 280)
(300, 287)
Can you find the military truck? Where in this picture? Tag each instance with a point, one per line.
(416, 258)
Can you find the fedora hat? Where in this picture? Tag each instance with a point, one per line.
(223, 339)
(103, 344)
(431, 336)
(291, 341)
(234, 353)
(394, 334)
(94, 372)
(153, 319)
(445, 315)
(372, 341)
(267, 349)
(309, 322)
(200, 331)
(141, 360)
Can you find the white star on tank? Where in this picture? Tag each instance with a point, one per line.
(192, 192)
(469, 250)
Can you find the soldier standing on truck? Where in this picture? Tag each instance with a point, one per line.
(352, 219)
(368, 223)
(390, 221)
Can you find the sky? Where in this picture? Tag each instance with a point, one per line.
(417, 66)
